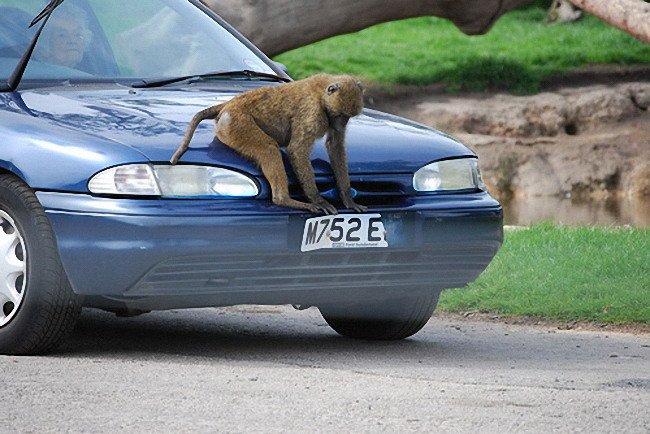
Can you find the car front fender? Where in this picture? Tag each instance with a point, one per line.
(50, 157)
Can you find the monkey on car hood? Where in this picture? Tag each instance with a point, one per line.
(259, 122)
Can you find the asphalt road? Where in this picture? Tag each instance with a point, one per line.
(268, 369)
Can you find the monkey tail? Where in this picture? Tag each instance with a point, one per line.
(209, 113)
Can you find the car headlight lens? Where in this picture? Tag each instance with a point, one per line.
(460, 174)
(133, 179)
(182, 181)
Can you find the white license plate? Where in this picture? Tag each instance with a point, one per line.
(343, 231)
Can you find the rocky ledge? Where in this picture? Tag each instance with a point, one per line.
(580, 142)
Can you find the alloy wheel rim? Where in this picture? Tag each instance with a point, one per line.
(13, 268)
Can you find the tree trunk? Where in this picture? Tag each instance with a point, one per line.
(631, 16)
(281, 25)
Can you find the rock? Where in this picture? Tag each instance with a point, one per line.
(546, 114)
(595, 107)
(528, 180)
(640, 95)
(638, 183)
(587, 142)
(502, 115)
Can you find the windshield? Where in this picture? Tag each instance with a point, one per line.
(119, 39)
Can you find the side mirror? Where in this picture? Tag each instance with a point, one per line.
(282, 67)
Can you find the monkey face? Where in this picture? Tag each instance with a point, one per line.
(344, 97)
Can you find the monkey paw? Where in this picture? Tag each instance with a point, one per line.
(324, 207)
(355, 206)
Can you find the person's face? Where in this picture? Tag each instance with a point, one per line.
(66, 42)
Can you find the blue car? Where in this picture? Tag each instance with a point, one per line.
(95, 98)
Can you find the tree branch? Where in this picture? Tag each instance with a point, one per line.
(631, 16)
(281, 25)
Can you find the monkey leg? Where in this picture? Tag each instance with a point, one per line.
(299, 154)
(273, 169)
(244, 136)
(335, 145)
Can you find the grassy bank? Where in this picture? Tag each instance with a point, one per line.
(516, 54)
(590, 274)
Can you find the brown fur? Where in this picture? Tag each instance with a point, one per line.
(293, 115)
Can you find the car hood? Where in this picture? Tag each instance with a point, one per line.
(153, 122)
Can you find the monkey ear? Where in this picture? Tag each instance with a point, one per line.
(333, 88)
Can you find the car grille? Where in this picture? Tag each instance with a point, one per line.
(370, 190)
(331, 269)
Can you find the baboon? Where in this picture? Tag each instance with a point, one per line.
(259, 122)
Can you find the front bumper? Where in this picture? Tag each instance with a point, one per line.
(159, 254)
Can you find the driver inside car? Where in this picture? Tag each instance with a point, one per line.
(64, 38)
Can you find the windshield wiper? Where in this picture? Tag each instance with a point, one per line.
(198, 77)
(17, 74)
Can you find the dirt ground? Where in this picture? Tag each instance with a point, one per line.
(582, 141)
(641, 329)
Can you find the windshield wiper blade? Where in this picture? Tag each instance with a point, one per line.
(19, 70)
(196, 77)
(46, 12)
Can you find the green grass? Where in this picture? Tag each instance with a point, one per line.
(516, 54)
(567, 274)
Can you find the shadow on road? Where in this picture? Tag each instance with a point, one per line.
(257, 333)
(283, 335)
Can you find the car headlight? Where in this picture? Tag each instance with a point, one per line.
(182, 181)
(459, 174)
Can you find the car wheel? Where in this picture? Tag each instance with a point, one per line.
(38, 308)
(390, 319)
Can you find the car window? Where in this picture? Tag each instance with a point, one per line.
(119, 39)
(15, 16)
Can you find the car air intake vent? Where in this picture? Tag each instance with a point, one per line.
(369, 189)
(383, 187)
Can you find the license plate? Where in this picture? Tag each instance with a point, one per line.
(343, 231)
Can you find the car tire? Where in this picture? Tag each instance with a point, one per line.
(38, 308)
(391, 319)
